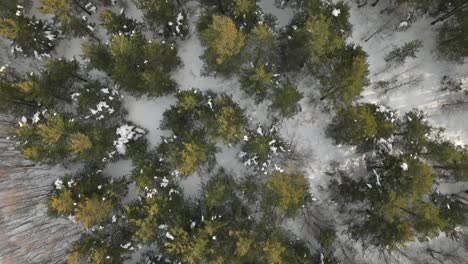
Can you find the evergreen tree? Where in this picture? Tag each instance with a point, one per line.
(186, 154)
(347, 76)
(228, 121)
(89, 197)
(358, 124)
(416, 131)
(261, 44)
(310, 42)
(399, 55)
(140, 66)
(286, 194)
(396, 212)
(261, 147)
(118, 23)
(30, 37)
(450, 159)
(256, 81)
(286, 100)
(452, 38)
(164, 15)
(223, 44)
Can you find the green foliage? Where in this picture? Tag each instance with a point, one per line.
(59, 8)
(347, 76)
(102, 246)
(260, 147)
(286, 100)
(223, 44)
(89, 197)
(29, 36)
(450, 159)
(261, 45)
(164, 15)
(256, 81)
(399, 55)
(140, 66)
(393, 193)
(452, 38)
(312, 41)
(416, 130)
(357, 124)
(285, 193)
(118, 23)
(228, 122)
(188, 153)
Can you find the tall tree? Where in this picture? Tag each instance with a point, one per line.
(223, 42)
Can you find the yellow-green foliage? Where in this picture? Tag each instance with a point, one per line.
(222, 40)
(60, 8)
(93, 211)
(287, 192)
(79, 143)
(8, 28)
(62, 202)
(52, 131)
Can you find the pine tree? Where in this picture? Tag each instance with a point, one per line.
(415, 131)
(188, 248)
(310, 43)
(347, 76)
(30, 37)
(164, 15)
(399, 55)
(260, 147)
(118, 23)
(79, 143)
(188, 153)
(353, 125)
(452, 160)
(256, 81)
(52, 131)
(452, 38)
(99, 56)
(285, 193)
(286, 100)
(229, 120)
(60, 8)
(223, 44)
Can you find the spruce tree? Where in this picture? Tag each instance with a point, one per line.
(286, 100)
(223, 42)
(399, 55)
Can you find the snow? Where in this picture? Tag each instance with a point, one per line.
(125, 134)
(336, 12)
(404, 166)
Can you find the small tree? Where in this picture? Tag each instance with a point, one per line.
(223, 44)
(399, 55)
(260, 148)
(256, 81)
(286, 100)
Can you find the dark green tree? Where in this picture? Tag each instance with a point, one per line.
(286, 100)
